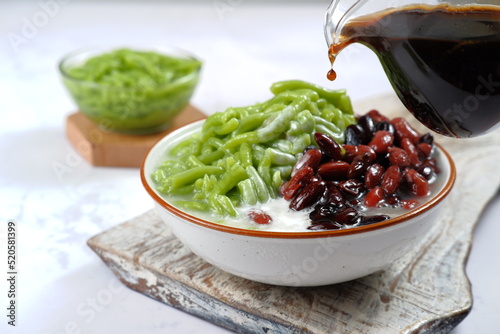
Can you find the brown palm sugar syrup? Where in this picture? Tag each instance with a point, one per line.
(442, 61)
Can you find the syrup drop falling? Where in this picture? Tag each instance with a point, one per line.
(331, 75)
(332, 54)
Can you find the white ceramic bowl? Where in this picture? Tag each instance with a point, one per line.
(298, 258)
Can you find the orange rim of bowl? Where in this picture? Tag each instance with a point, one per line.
(431, 203)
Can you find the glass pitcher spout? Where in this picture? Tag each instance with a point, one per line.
(337, 14)
(441, 57)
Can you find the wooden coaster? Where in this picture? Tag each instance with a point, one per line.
(101, 148)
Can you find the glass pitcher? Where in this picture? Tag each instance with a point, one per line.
(441, 58)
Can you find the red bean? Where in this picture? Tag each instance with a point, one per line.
(404, 130)
(374, 175)
(291, 190)
(328, 146)
(334, 170)
(358, 166)
(398, 156)
(381, 141)
(297, 181)
(351, 187)
(377, 116)
(374, 197)
(347, 216)
(335, 196)
(417, 183)
(260, 217)
(311, 158)
(411, 149)
(425, 150)
(391, 180)
(308, 196)
(352, 151)
(324, 212)
(283, 188)
(368, 153)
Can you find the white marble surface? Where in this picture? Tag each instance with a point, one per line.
(59, 201)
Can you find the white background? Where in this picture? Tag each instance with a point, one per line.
(246, 46)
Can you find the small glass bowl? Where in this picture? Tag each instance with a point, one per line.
(133, 109)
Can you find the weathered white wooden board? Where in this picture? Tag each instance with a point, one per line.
(425, 292)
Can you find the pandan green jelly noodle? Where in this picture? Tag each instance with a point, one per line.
(131, 91)
(242, 155)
